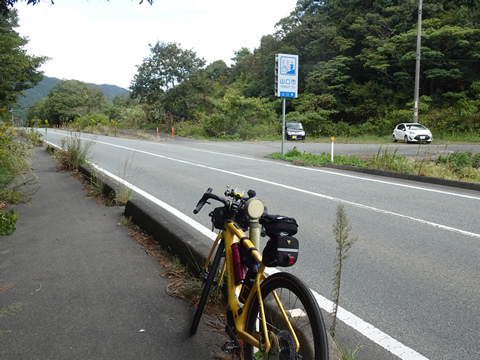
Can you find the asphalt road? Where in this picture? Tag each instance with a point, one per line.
(413, 272)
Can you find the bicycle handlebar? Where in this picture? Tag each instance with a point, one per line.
(204, 200)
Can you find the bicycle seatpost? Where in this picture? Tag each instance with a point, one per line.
(255, 209)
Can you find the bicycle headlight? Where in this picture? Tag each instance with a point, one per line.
(254, 208)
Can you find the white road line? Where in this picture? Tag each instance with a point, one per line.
(377, 336)
(304, 168)
(323, 196)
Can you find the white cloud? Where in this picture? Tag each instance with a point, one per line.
(102, 42)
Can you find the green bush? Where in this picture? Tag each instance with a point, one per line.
(92, 120)
(238, 117)
(14, 161)
(7, 222)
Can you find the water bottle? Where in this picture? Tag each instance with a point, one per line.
(238, 267)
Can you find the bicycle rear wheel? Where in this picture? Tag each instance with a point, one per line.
(212, 272)
(303, 313)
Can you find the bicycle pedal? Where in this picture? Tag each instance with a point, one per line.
(230, 346)
(203, 275)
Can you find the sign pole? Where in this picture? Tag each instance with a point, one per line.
(286, 83)
(283, 125)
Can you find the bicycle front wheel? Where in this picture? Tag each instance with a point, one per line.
(212, 273)
(303, 314)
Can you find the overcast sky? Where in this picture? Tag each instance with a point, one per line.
(101, 42)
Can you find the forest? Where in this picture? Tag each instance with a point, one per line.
(356, 77)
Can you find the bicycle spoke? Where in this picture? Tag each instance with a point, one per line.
(302, 313)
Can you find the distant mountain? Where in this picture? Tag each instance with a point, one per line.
(38, 92)
(43, 88)
(110, 91)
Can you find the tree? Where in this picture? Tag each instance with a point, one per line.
(18, 70)
(6, 5)
(167, 67)
(71, 99)
(363, 53)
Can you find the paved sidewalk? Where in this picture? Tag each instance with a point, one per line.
(84, 289)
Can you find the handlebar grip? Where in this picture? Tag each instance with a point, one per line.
(203, 200)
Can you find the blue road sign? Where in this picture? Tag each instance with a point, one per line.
(287, 75)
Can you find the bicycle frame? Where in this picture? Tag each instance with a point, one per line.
(230, 235)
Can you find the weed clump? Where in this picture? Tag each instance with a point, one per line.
(32, 137)
(341, 230)
(73, 153)
(7, 222)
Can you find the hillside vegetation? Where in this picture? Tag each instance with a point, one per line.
(356, 76)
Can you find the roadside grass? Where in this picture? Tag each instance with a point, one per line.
(72, 153)
(460, 166)
(10, 310)
(130, 173)
(345, 353)
(32, 136)
(14, 165)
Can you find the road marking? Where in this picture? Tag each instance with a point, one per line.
(304, 168)
(366, 329)
(308, 192)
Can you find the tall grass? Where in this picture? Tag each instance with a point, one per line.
(14, 163)
(73, 153)
(32, 137)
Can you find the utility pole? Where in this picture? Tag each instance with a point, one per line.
(417, 63)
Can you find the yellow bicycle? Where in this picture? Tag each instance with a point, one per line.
(275, 316)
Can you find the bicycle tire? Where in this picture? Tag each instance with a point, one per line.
(208, 286)
(298, 301)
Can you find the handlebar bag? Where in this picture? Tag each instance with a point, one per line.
(281, 251)
(279, 225)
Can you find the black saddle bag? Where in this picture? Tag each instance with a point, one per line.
(281, 251)
(279, 225)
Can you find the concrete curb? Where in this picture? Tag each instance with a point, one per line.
(188, 244)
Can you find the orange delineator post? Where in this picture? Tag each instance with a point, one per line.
(172, 132)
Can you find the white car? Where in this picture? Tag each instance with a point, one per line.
(412, 132)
